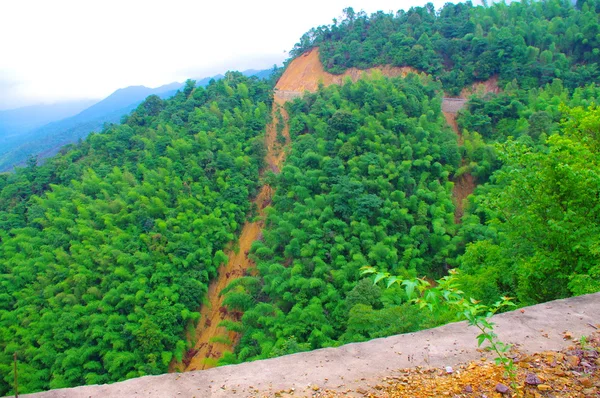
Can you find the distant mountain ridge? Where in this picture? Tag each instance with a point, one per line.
(46, 140)
(125, 97)
(16, 121)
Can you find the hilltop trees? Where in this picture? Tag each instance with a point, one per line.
(533, 42)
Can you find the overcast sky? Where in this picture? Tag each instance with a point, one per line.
(69, 49)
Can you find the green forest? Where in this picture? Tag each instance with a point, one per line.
(531, 41)
(369, 179)
(368, 183)
(107, 249)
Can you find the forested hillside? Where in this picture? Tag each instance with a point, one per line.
(369, 178)
(106, 250)
(366, 182)
(534, 227)
(533, 42)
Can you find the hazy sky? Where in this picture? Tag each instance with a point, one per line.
(68, 49)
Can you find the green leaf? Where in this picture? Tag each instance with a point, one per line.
(367, 270)
(409, 286)
(391, 280)
(431, 297)
(378, 277)
(481, 338)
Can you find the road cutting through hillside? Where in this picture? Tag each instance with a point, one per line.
(305, 73)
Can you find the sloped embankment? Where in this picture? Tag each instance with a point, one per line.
(361, 366)
(306, 72)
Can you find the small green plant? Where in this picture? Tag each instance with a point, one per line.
(447, 293)
(584, 343)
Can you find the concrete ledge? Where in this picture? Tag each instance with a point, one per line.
(536, 328)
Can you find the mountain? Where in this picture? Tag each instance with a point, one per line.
(46, 140)
(251, 219)
(17, 121)
(261, 74)
(125, 98)
(203, 81)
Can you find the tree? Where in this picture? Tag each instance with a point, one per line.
(544, 208)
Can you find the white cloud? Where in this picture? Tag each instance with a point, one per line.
(65, 49)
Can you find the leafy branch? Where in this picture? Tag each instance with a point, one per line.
(446, 292)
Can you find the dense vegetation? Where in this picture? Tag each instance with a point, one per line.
(532, 232)
(367, 179)
(107, 249)
(366, 183)
(533, 42)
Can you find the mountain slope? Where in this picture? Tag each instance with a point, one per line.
(212, 337)
(304, 73)
(180, 173)
(46, 140)
(17, 121)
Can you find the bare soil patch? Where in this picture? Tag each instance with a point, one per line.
(463, 187)
(570, 372)
(306, 72)
(488, 86)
